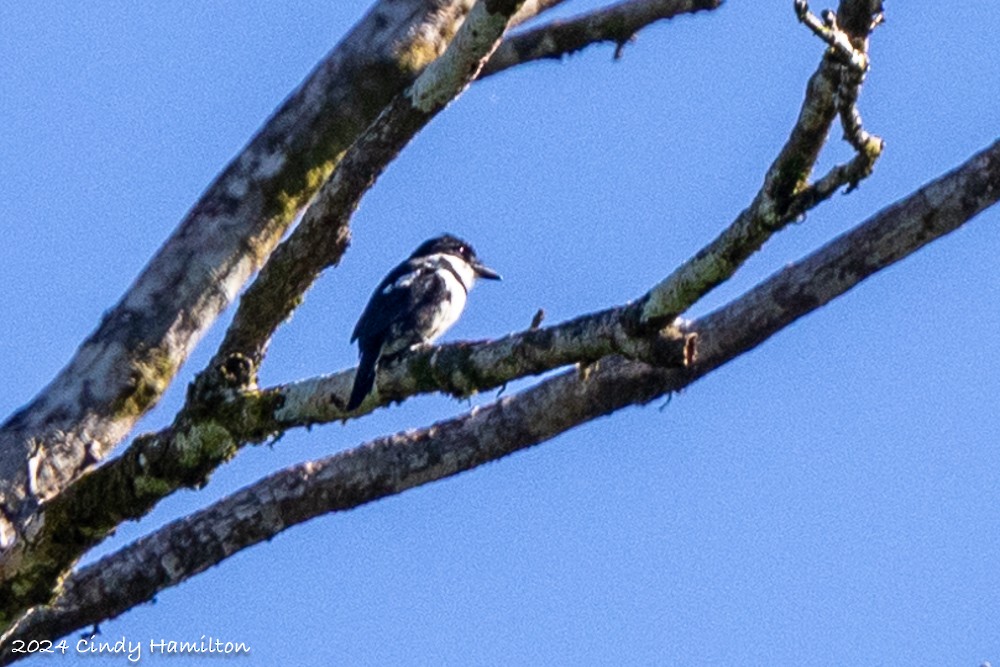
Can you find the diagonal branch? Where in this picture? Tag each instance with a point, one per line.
(617, 24)
(395, 463)
(532, 8)
(207, 433)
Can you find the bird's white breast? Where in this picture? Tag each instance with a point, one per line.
(457, 287)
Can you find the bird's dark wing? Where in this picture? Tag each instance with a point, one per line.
(406, 308)
(389, 299)
(377, 315)
(429, 300)
(399, 302)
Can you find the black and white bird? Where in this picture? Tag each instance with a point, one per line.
(414, 304)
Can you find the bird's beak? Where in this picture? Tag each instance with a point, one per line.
(484, 271)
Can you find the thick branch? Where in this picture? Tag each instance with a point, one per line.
(617, 24)
(392, 464)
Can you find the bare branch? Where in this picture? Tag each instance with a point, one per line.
(849, 174)
(393, 464)
(855, 67)
(780, 199)
(617, 24)
(838, 40)
(209, 432)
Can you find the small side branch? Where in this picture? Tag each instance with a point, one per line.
(617, 24)
(855, 67)
(838, 40)
(843, 175)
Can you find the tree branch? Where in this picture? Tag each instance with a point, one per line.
(532, 8)
(786, 192)
(393, 464)
(855, 67)
(209, 432)
(617, 24)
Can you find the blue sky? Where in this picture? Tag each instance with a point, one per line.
(830, 498)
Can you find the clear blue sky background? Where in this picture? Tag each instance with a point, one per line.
(832, 498)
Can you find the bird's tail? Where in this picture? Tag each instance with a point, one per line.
(363, 379)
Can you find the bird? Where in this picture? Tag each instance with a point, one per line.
(414, 305)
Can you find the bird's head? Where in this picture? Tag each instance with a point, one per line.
(446, 244)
